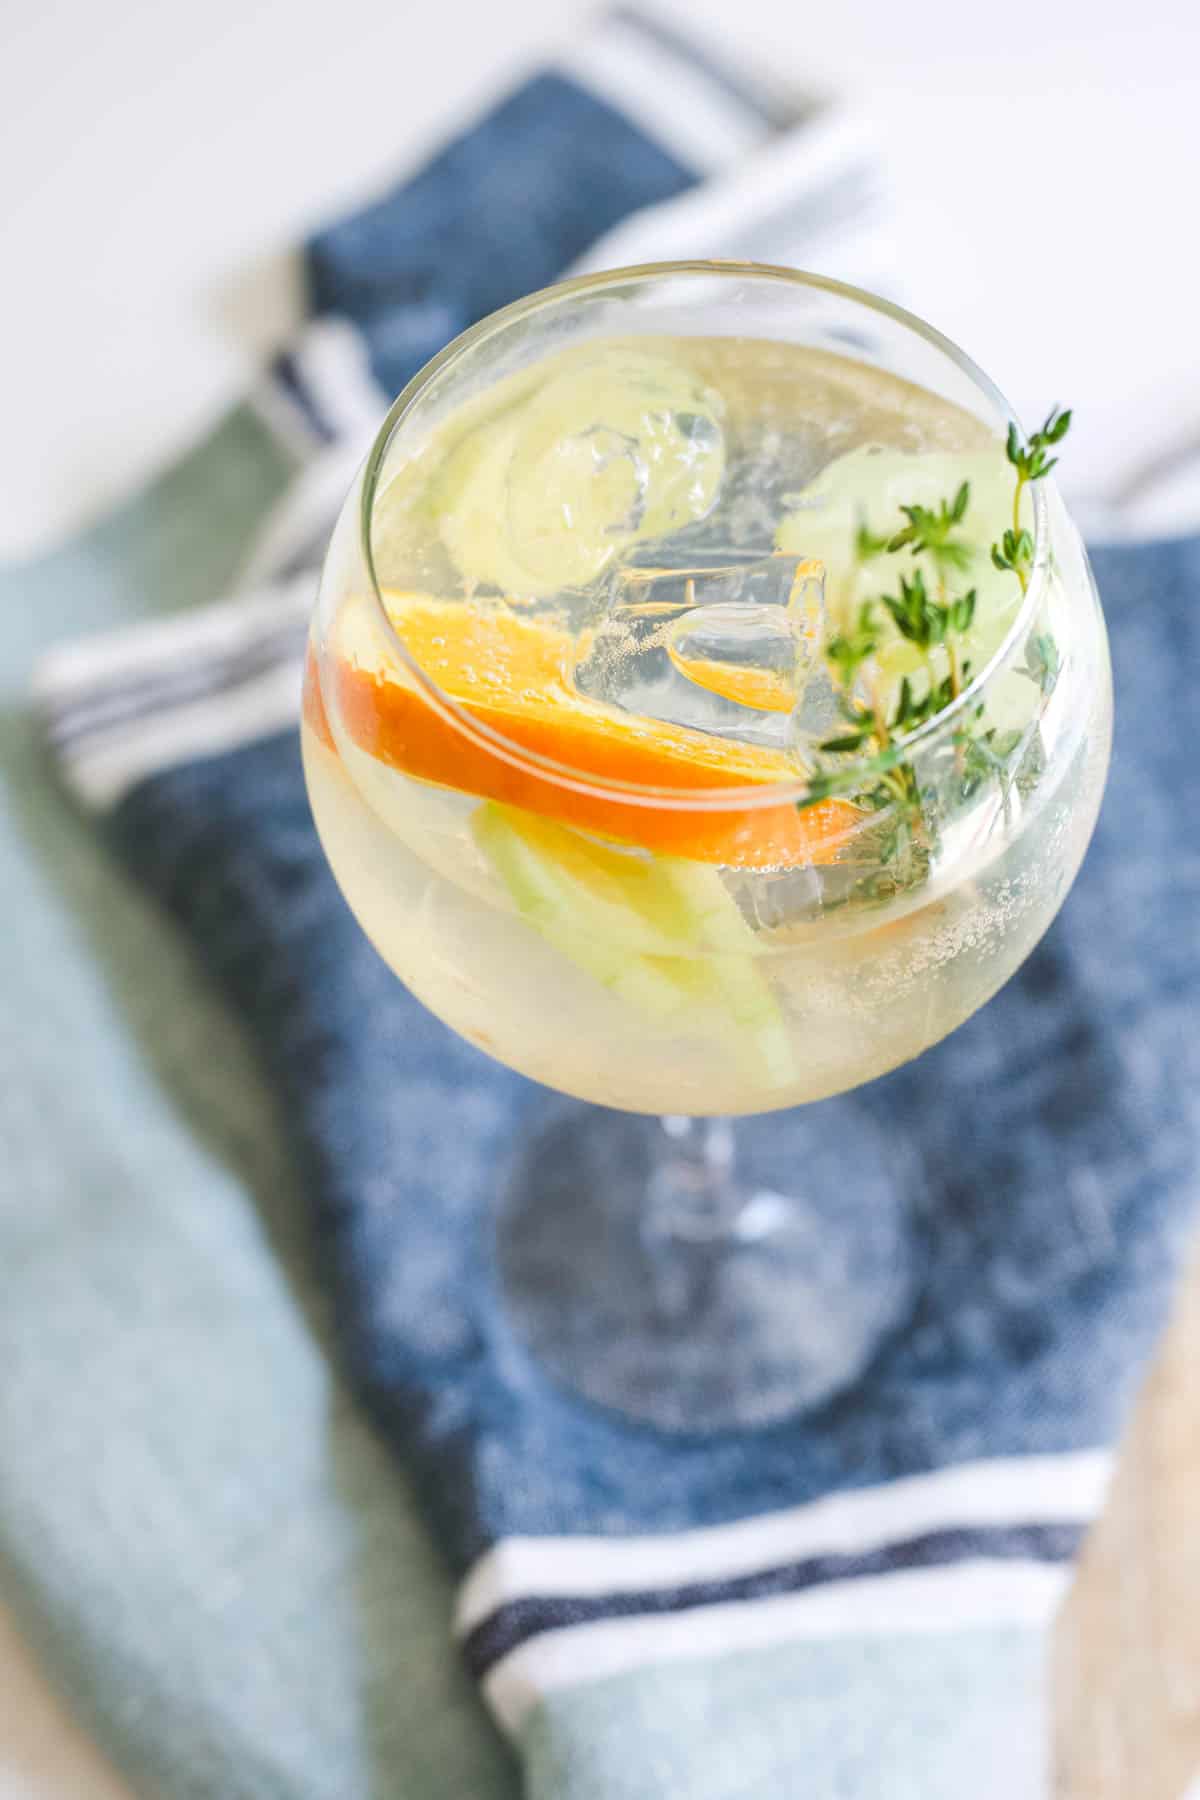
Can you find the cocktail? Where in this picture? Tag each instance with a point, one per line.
(707, 709)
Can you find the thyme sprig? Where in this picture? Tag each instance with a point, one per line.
(1031, 461)
(886, 779)
(932, 532)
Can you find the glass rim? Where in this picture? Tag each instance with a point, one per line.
(736, 796)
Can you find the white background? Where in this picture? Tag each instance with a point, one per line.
(159, 159)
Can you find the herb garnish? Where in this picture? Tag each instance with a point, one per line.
(887, 779)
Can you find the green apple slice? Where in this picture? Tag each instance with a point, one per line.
(663, 934)
(609, 448)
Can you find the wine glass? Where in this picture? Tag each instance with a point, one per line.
(579, 758)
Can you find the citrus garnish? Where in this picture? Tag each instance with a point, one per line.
(506, 672)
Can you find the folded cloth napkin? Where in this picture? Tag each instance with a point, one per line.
(847, 1604)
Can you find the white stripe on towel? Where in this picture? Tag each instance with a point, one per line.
(666, 93)
(1003, 1491)
(84, 666)
(101, 772)
(793, 195)
(111, 703)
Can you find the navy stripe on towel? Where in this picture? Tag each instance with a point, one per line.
(517, 1621)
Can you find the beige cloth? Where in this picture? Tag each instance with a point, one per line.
(1126, 1669)
(43, 1753)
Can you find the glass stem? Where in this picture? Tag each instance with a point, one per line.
(694, 1195)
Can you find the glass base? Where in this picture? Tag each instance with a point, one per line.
(649, 1270)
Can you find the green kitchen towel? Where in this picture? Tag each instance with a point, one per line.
(220, 1566)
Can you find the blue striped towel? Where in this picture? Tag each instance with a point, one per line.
(848, 1604)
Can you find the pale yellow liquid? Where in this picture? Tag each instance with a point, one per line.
(860, 990)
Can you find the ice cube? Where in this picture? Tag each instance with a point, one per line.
(615, 449)
(758, 656)
(725, 649)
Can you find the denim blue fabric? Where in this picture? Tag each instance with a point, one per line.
(1056, 1134)
(500, 211)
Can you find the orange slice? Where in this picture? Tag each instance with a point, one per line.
(506, 672)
